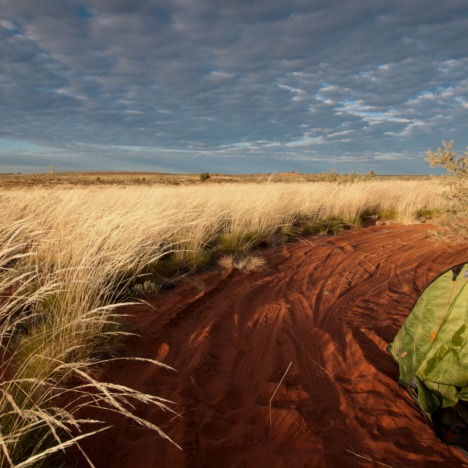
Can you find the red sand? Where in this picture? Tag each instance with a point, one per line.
(328, 305)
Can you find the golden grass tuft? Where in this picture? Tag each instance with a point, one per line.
(248, 263)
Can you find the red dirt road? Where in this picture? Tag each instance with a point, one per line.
(329, 306)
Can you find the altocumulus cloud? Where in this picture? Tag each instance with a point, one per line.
(224, 86)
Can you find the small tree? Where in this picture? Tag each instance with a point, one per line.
(453, 225)
(204, 176)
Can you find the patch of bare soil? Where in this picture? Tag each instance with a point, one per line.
(329, 306)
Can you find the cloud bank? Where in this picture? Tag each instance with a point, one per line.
(223, 86)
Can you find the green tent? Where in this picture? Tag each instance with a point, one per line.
(431, 350)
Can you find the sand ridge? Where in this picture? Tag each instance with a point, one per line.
(326, 307)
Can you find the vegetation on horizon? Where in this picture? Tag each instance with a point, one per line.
(67, 179)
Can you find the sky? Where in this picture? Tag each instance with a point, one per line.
(232, 86)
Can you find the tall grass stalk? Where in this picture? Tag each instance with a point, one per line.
(54, 322)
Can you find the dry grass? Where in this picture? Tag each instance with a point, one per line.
(453, 225)
(248, 263)
(48, 338)
(68, 255)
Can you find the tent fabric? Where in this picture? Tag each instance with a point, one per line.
(432, 351)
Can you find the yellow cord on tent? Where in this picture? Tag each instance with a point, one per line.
(434, 333)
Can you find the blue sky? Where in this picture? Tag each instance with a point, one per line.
(232, 86)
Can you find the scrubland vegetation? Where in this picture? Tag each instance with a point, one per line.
(68, 256)
(70, 179)
(453, 224)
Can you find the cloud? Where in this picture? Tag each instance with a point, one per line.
(306, 141)
(287, 79)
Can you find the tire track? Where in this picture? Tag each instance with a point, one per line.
(330, 309)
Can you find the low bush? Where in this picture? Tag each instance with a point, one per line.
(453, 224)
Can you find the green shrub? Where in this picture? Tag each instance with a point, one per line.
(314, 228)
(290, 232)
(328, 226)
(238, 242)
(427, 213)
(376, 213)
